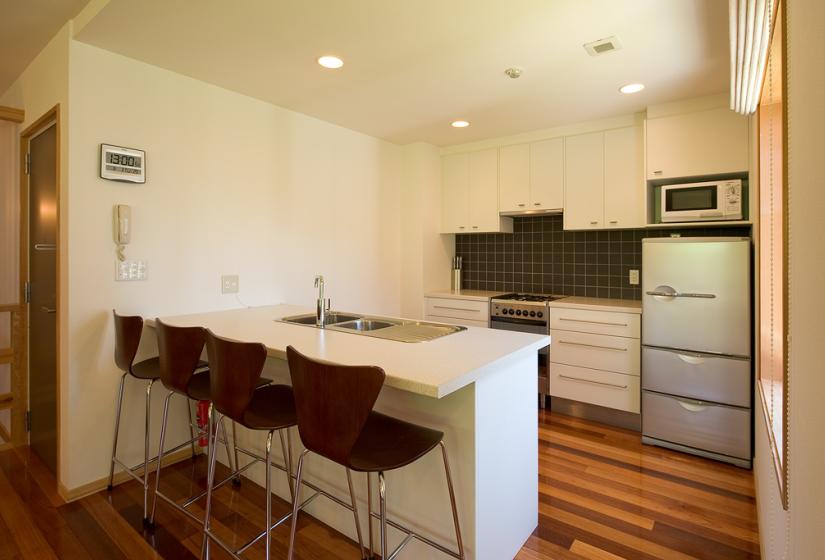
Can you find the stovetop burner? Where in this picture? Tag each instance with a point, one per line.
(526, 297)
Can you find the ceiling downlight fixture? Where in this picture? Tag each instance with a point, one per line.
(329, 61)
(460, 124)
(632, 88)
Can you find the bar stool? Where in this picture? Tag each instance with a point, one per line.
(335, 420)
(128, 330)
(235, 371)
(179, 350)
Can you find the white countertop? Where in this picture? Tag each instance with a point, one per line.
(599, 304)
(434, 369)
(472, 295)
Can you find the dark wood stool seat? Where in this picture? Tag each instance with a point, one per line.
(146, 370)
(387, 443)
(198, 387)
(271, 408)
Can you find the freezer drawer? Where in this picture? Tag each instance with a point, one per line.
(697, 376)
(597, 351)
(696, 294)
(716, 428)
(604, 388)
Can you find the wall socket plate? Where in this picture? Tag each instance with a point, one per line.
(229, 284)
(130, 271)
(633, 277)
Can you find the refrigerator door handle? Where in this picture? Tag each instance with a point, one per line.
(673, 293)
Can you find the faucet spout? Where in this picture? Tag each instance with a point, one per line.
(322, 305)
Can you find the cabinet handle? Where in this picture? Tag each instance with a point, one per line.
(593, 322)
(537, 204)
(692, 405)
(475, 227)
(659, 172)
(592, 345)
(460, 227)
(522, 205)
(593, 223)
(614, 221)
(456, 308)
(593, 382)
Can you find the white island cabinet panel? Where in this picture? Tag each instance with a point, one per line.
(477, 386)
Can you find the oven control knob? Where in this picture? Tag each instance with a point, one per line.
(504, 311)
(510, 311)
(532, 314)
(540, 314)
(518, 312)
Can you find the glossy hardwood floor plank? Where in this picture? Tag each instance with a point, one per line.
(23, 528)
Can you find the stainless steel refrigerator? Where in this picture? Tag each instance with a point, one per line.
(696, 346)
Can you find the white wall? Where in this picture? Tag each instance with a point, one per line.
(235, 186)
(799, 533)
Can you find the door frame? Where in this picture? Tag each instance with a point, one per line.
(26, 136)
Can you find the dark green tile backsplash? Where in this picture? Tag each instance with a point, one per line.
(540, 257)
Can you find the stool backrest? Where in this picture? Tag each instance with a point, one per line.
(332, 402)
(127, 339)
(234, 371)
(179, 350)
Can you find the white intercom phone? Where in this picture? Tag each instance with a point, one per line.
(122, 228)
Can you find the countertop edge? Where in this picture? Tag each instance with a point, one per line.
(594, 304)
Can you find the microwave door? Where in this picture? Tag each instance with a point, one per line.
(708, 309)
(691, 203)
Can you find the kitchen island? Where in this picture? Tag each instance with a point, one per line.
(478, 386)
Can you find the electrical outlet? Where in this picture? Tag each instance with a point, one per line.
(634, 277)
(229, 284)
(129, 271)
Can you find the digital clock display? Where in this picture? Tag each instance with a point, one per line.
(113, 158)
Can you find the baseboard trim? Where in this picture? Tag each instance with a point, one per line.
(73, 494)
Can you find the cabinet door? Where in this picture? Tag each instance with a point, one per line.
(584, 181)
(484, 191)
(699, 143)
(514, 178)
(624, 185)
(455, 191)
(547, 174)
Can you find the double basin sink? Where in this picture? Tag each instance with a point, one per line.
(401, 330)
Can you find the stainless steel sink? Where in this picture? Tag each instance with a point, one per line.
(332, 318)
(399, 330)
(362, 325)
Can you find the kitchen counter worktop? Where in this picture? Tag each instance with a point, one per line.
(598, 304)
(435, 368)
(471, 295)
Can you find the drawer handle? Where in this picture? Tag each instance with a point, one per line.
(691, 405)
(692, 360)
(593, 382)
(456, 308)
(522, 205)
(593, 322)
(593, 346)
(537, 204)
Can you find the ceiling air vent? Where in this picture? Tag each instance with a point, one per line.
(602, 46)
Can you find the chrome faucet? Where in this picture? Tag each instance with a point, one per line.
(322, 305)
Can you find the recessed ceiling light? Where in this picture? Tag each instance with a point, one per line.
(632, 88)
(460, 124)
(330, 62)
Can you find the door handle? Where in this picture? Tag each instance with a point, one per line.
(45, 247)
(49, 310)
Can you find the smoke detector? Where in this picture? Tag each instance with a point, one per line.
(602, 46)
(513, 72)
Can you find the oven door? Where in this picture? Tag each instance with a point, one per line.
(692, 203)
(519, 325)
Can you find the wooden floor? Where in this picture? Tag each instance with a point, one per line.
(603, 496)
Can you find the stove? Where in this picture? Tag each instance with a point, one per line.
(521, 308)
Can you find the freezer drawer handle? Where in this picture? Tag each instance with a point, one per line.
(592, 345)
(593, 322)
(691, 405)
(591, 381)
(677, 294)
(456, 308)
(692, 360)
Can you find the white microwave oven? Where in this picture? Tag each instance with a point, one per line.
(702, 202)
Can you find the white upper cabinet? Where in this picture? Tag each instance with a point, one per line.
(547, 174)
(531, 176)
(469, 185)
(624, 183)
(698, 143)
(514, 178)
(584, 184)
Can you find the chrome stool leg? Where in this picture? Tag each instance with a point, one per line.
(355, 513)
(296, 504)
(160, 453)
(210, 477)
(382, 508)
(146, 522)
(288, 462)
(452, 500)
(268, 493)
(369, 512)
(117, 429)
(237, 480)
(191, 425)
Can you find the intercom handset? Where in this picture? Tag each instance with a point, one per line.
(122, 228)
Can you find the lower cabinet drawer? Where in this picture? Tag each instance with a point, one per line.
(458, 309)
(597, 322)
(604, 388)
(702, 377)
(595, 351)
(710, 427)
(459, 322)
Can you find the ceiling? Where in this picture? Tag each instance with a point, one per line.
(25, 28)
(412, 67)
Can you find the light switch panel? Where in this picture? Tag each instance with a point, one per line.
(130, 271)
(229, 284)
(634, 277)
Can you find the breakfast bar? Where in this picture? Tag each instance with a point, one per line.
(477, 385)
